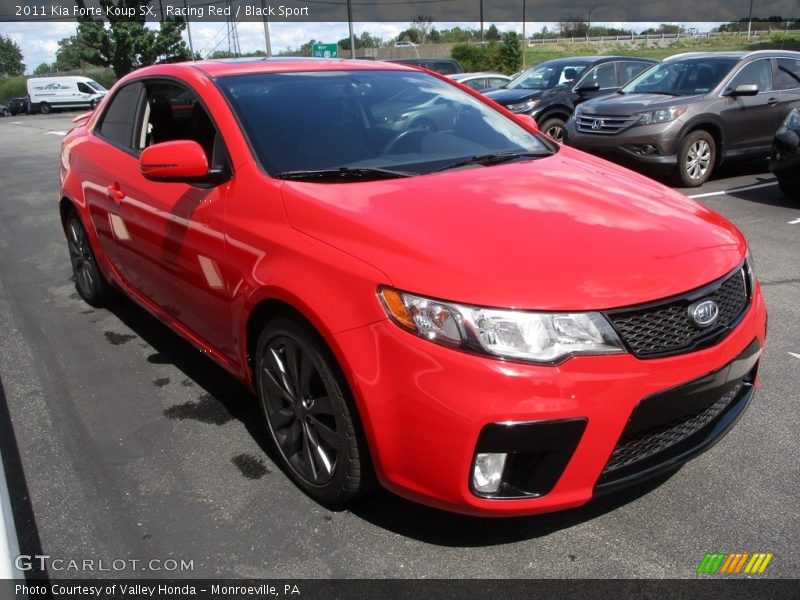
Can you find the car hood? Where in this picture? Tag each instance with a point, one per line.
(568, 232)
(628, 104)
(505, 96)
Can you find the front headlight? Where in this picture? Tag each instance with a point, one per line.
(750, 269)
(521, 335)
(521, 107)
(664, 115)
(792, 120)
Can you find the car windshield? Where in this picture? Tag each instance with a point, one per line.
(93, 84)
(378, 123)
(547, 75)
(682, 77)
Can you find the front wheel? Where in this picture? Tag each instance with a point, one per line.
(697, 154)
(45, 108)
(89, 281)
(554, 128)
(6, 113)
(309, 412)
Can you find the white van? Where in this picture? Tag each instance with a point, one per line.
(50, 93)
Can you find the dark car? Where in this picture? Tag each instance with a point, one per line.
(550, 91)
(693, 111)
(4, 112)
(19, 105)
(785, 161)
(445, 66)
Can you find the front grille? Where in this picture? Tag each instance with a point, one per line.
(641, 446)
(666, 328)
(603, 124)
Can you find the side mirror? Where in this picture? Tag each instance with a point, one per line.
(527, 121)
(178, 160)
(745, 89)
(588, 87)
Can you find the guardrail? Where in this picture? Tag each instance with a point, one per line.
(655, 36)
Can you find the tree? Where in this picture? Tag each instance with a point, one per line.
(44, 69)
(511, 52)
(126, 44)
(10, 57)
(492, 34)
(574, 27)
(422, 25)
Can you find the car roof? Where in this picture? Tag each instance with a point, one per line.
(459, 76)
(223, 67)
(737, 54)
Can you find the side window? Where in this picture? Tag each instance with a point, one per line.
(476, 84)
(788, 74)
(495, 82)
(117, 123)
(82, 87)
(757, 73)
(628, 70)
(604, 75)
(173, 112)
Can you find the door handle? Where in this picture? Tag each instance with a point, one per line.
(772, 101)
(115, 193)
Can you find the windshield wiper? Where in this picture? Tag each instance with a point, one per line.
(493, 158)
(662, 92)
(345, 174)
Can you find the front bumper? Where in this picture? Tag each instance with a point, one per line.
(627, 147)
(424, 408)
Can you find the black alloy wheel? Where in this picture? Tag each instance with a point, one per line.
(306, 405)
(89, 281)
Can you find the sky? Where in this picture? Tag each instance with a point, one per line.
(39, 42)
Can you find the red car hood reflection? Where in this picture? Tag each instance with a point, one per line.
(568, 232)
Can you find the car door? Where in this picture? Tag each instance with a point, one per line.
(751, 121)
(788, 84)
(170, 238)
(104, 156)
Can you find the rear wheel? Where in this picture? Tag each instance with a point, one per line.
(89, 281)
(696, 158)
(309, 412)
(6, 113)
(45, 108)
(554, 127)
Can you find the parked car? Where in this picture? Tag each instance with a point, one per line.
(4, 111)
(482, 82)
(404, 44)
(411, 307)
(550, 91)
(445, 66)
(19, 105)
(415, 108)
(692, 112)
(53, 93)
(785, 161)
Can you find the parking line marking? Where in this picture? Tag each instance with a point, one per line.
(793, 354)
(741, 189)
(61, 133)
(795, 222)
(16, 122)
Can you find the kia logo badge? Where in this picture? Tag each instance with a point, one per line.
(704, 313)
(597, 124)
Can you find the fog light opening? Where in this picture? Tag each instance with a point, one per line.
(487, 473)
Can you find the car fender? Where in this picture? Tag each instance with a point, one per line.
(708, 121)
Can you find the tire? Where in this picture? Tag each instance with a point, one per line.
(45, 108)
(89, 281)
(6, 113)
(309, 413)
(553, 127)
(697, 155)
(790, 189)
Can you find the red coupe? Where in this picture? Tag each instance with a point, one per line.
(422, 289)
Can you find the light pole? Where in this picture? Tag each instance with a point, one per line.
(350, 24)
(524, 36)
(749, 20)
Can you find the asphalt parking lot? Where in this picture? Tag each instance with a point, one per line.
(124, 442)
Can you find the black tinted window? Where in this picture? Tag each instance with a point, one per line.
(82, 87)
(788, 73)
(117, 124)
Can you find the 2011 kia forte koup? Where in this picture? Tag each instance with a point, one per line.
(469, 314)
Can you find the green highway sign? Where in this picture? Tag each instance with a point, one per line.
(325, 51)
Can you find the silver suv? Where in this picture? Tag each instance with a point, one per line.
(692, 111)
